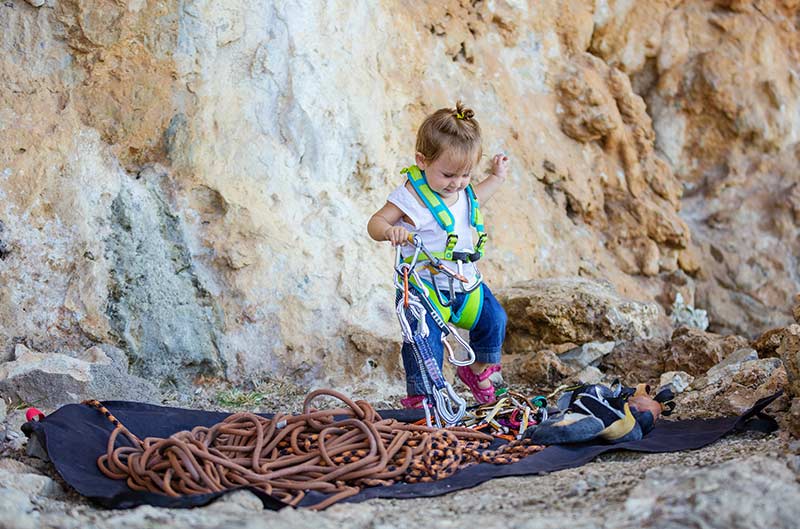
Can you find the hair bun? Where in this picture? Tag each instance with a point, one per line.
(462, 112)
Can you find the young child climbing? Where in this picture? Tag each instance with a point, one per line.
(448, 148)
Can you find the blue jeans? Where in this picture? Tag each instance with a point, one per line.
(486, 339)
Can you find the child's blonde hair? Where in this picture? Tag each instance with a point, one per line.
(451, 129)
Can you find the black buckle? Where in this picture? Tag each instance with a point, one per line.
(466, 257)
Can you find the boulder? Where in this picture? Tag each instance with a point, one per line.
(49, 380)
(695, 351)
(789, 352)
(543, 312)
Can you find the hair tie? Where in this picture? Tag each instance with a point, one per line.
(459, 115)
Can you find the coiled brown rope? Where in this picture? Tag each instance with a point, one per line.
(290, 454)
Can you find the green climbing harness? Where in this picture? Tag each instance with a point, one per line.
(445, 218)
(465, 316)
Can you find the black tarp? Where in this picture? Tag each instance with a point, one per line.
(75, 435)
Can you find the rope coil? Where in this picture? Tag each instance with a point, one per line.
(290, 454)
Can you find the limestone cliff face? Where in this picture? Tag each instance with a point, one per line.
(191, 181)
(721, 83)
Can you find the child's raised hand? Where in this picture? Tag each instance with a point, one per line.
(397, 235)
(500, 166)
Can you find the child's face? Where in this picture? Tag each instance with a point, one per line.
(447, 175)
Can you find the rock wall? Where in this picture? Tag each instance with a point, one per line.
(721, 83)
(190, 181)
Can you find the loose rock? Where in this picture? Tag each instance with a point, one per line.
(768, 342)
(542, 369)
(54, 379)
(695, 351)
(588, 354)
(636, 361)
(678, 380)
(732, 390)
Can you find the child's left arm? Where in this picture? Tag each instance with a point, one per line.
(485, 189)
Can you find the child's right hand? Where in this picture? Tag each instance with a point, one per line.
(397, 235)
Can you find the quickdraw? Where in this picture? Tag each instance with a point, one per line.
(509, 417)
(413, 303)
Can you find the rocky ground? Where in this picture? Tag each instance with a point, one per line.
(744, 480)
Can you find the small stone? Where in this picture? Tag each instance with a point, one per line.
(94, 355)
(587, 354)
(679, 380)
(696, 351)
(54, 379)
(649, 258)
(579, 488)
(596, 481)
(588, 375)
(36, 3)
(36, 447)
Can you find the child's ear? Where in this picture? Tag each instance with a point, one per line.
(420, 159)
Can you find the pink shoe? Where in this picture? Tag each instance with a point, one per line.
(413, 402)
(468, 377)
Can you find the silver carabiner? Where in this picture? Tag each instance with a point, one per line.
(449, 405)
(464, 345)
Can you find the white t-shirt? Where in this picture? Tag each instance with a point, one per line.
(433, 236)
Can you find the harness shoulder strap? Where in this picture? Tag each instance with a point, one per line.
(476, 220)
(475, 216)
(444, 217)
(429, 197)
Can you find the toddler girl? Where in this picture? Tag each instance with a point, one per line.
(438, 204)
